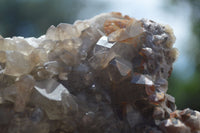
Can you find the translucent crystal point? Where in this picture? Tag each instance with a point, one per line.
(51, 89)
(17, 64)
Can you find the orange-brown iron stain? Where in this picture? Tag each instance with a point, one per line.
(170, 72)
(114, 25)
(150, 90)
(174, 115)
(124, 108)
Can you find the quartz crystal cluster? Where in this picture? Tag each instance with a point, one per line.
(107, 74)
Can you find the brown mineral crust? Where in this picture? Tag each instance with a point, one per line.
(102, 75)
(124, 33)
(113, 25)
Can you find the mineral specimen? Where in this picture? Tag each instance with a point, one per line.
(107, 74)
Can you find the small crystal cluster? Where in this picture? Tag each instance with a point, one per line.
(107, 74)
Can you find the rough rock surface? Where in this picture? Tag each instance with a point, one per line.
(107, 74)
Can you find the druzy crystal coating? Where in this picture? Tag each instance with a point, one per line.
(107, 74)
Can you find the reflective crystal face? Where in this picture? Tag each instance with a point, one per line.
(107, 74)
(51, 89)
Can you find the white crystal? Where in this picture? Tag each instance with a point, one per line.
(103, 41)
(56, 88)
(141, 79)
(35, 42)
